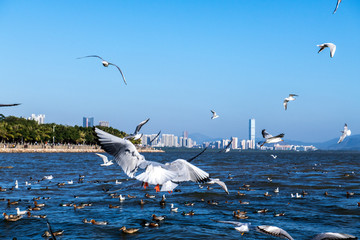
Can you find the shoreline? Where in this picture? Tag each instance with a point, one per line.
(90, 149)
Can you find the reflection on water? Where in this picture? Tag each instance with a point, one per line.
(315, 173)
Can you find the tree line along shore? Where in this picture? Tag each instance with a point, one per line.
(22, 135)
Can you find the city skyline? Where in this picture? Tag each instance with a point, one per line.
(180, 61)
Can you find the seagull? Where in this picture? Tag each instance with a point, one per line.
(9, 105)
(129, 159)
(331, 235)
(274, 231)
(337, 5)
(18, 212)
(105, 159)
(241, 227)
(227, 148)
(274, 156)
(155, 137)
(214, 114)
(48, 177)
(136, 135)
(106, 64)
(346, 132)
(270, 139)
(329, 45)
(288, 99)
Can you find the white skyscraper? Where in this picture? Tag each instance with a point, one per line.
(38, 118)
(252, 133)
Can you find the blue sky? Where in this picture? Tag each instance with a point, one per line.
(181, 59)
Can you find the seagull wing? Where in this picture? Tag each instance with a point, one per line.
(123, 150)
(238, 224)
(293, 95)
(213, 112)
(333, 236)
(342, 137)
(332, 49)
(92, 56)
(337, 5)
(138, 127)
(345, 127)
(119, 71)
(104, 158)
(281, 135)
(50, 230)
(9, 105)
(220, 183)
(274, 231)
(322, 47)
(186, 171)
(155, 137)
(189, 160)
(229, 144)
(285, 104)
(265, 134)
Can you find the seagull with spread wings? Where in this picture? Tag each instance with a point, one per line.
(288, 99)
(105, 159)
(214, 114)
(328, 45)
(270, 139)
(106, 64)
(346, 132)
(136, 135)
(129, 159)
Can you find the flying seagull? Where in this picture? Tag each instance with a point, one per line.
(136, 135)
(274, 231)
(329, 45)
(106, 64)
(333, 236)
(155, 137)
(227, 148)
(105, 159)
(214, 114)
(129, 159)
(239, 226)
(337, 5)
(270, 139)
(288, 99)
(346, 132)
(9, 105)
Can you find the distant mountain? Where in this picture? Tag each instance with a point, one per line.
(350, 143)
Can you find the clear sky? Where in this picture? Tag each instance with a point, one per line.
(181, 59)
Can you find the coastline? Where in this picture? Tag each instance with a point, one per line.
(61, 149)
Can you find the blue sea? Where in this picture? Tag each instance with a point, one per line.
(336, 173)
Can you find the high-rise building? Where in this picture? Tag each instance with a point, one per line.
(252, 133)
(185, 134)
(88, 122)
(104, 123)
(234, 144)
(38, 118)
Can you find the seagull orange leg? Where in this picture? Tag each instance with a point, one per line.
(170, 192)
(145, 185)
(157, 188)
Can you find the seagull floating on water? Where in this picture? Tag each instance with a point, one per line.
(214, 114)
(345, 132)
(329, 45)
(337, 5)
(136, 135)
(105, 159)
(273, 156)
(270, 139)
(288, 99)
(106, 64)
(168, 175)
